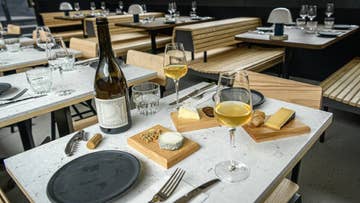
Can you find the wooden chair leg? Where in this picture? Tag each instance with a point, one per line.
(322, 137)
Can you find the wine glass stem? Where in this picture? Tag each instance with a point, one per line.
(177, 93)
(232, 147)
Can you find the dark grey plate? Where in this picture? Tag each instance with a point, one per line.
(257, 97)
(342, 27)
(4, 87)
(97, 177)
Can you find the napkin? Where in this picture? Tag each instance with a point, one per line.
(182, 189)
(12, 92)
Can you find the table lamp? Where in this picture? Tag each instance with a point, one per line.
(279, 17)
(66, 7)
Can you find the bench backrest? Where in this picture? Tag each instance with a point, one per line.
(51, 22)
(214, 34)
(91, 29)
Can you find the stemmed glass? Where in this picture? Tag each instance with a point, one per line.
(174, 7)
(92, 7)
(77, 7)
(170, 8)
(103, 5)
(329, 10)
(175, 66)
(193, 6)
(144, 8)
(233, 108)
(312, 12)
(121, 6)
(304, 11)
(44, 38)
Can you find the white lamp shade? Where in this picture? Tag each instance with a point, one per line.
(65, 6)
(280, 16)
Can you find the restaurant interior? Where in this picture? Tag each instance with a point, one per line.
(179, 101)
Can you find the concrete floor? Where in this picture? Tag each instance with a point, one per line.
(329, 171)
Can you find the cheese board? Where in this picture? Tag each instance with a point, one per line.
(165, 158)
(263, 133)
(185, 125)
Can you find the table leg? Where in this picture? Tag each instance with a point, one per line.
(153, 34)
(64, 122)
(25, 130)
(295, 172)
(287, 62)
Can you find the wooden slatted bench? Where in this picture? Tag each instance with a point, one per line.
(208, 36)
(283, 193)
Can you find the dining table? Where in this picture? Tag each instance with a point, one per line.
(297, 38)
(154, 27)
(81, 81)
(269, 161)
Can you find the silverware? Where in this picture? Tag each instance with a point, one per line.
(193, 193)
(16, 96)
(73, 143)
(19, 100)
(169, 187)
(86, 62)
(193, 93)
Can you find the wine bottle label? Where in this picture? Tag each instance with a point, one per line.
(112, 113)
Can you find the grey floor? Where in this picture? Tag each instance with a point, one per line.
(329, 171)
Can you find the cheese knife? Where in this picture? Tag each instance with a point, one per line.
(194, 93)
(193, 193)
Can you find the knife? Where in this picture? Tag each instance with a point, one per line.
(193, 193)
(193, 93)
(19, 100)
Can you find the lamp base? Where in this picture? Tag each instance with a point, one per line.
(281, 37)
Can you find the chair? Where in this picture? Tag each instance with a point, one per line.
(3, 198)
(135, 9)
(13, 29)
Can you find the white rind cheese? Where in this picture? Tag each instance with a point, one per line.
(171, 141)
(188, 112)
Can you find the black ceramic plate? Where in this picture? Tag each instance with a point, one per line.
(342, 27)
(4, 87)
(257, 97)
(329, 33)
(96, 177)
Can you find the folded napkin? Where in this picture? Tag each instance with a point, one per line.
(181, 190)
(14, 91)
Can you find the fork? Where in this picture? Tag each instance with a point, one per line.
(16, 96)
(169, 187)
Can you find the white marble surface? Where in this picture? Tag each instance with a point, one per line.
(24, 58)
(268, 160)
(80, 80)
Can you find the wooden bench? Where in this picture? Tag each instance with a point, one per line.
(341, 90)
(283, 193)
(3, 198)
(208, 36)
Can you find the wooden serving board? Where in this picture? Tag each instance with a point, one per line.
(185, 125)
(262, 133)
(164, 158)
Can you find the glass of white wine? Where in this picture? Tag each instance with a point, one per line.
(175, 66)
(233, 108)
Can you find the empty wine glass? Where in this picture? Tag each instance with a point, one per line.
(44, 38)
(193, 6)
(121, 6)
(233, 108)
(329, 10)
(312, 12)
(170, 8)
(92, 6)
(103, 5)
(144, 8)
(174, 7)
(77, 6)
(304, 11)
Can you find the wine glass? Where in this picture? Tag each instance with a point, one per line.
(174, 7)
(312, 12)
(329, 10)
(77, 7)
(92, 6)
(233, 108)
(193, 6)
(121, 6)
(58, 56)
(144, 8)
(304, 11)
(170, 8)
(103, 5)
(44, 38)
(2, 42)
(175, 66)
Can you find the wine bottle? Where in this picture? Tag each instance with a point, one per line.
(111, 91)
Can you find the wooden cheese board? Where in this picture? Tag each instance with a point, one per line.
(262, 133)
(164, 158)
(185, 125)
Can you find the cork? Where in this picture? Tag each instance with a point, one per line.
(94, 141)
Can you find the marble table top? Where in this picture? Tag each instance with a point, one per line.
(269, 161)
(81, 80)
(27, 57)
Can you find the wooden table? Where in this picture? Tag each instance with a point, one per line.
(297, 39)
(159, 24)
(81, 80)
(27, 57)
(269, 162)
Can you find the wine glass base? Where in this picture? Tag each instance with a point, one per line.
(64, 92)
(236, 173)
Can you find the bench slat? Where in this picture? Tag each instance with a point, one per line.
(353, 81)
(351, 95)
(340, 85)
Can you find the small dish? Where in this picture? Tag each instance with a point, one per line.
(4, 87)
(257, 97)
(342, 27)
(328, 33)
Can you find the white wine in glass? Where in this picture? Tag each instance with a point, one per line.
(175, 66)
(233, 108)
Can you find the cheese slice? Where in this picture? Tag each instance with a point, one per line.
(280, 118)
(188, 112)
(171, 141)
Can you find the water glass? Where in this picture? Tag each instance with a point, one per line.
(311, 26)
(329, 23)
(12, 45)
(65, 61)
(300, 23)
(40, 80)
(146, 97)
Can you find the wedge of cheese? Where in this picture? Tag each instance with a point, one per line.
(280, 118)
(188, 112)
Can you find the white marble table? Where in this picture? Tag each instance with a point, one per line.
(81, 80)
(269, 161)
(27, 57)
